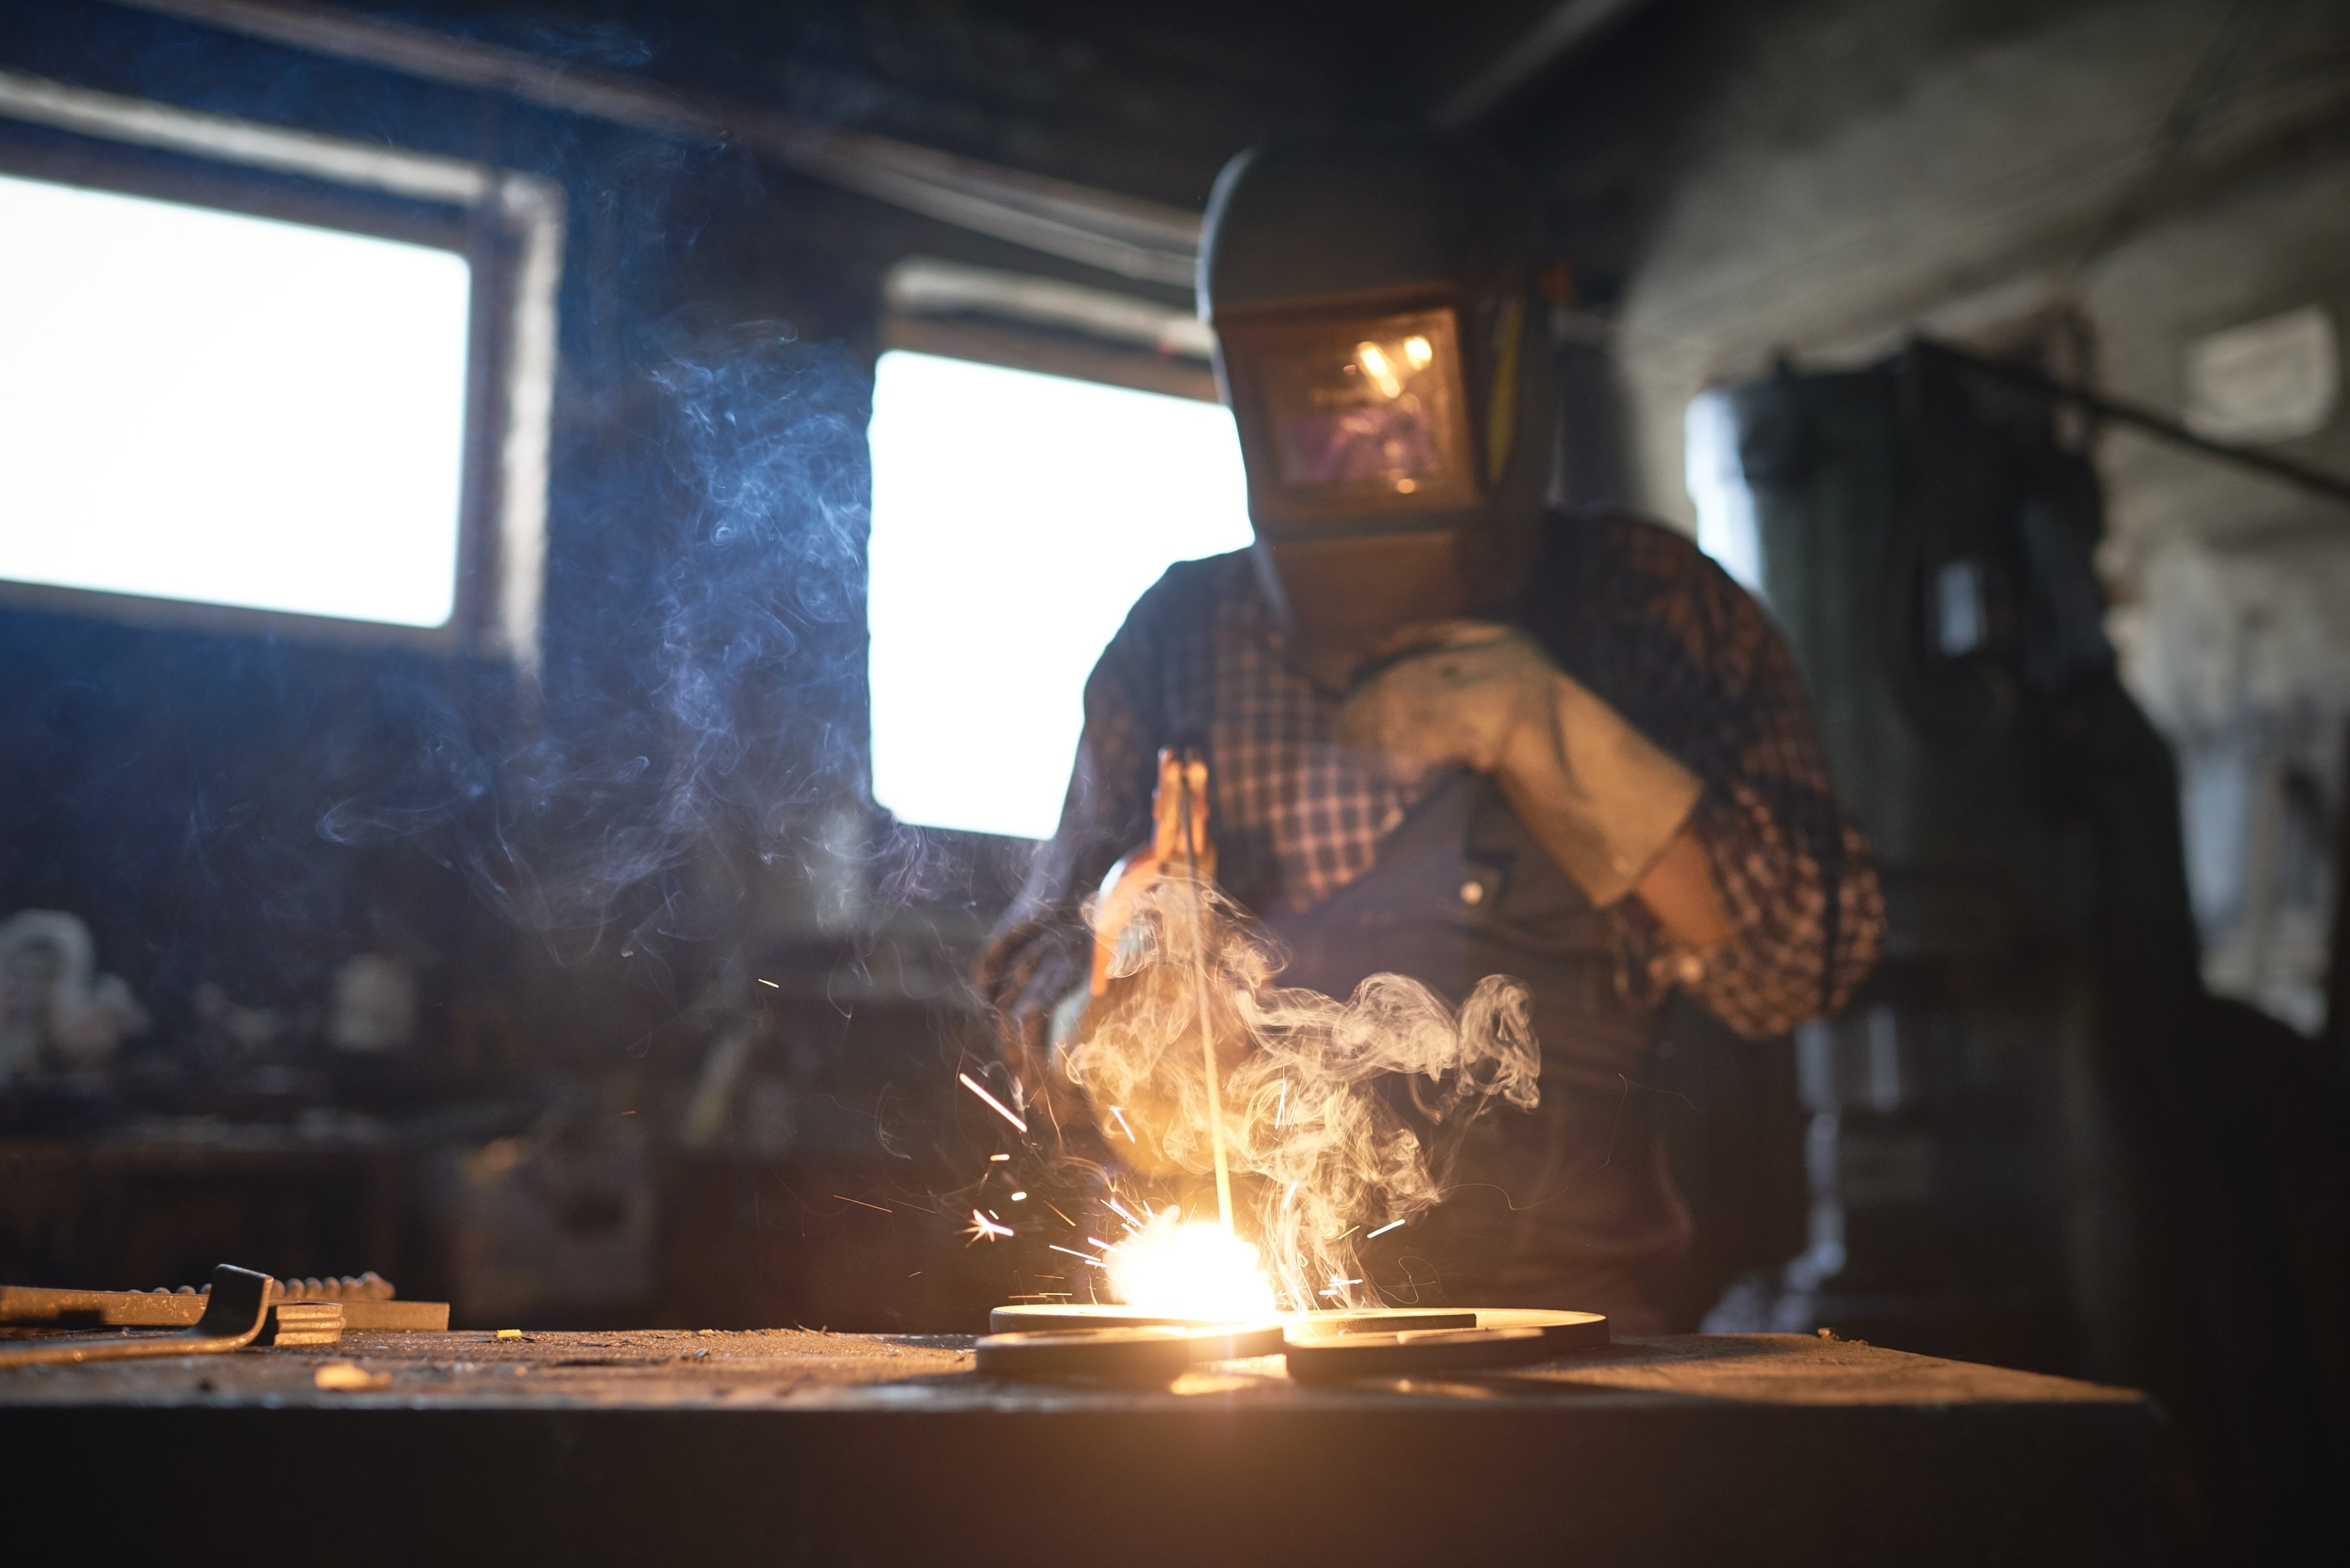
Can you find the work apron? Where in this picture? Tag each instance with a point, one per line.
(1559, 1207)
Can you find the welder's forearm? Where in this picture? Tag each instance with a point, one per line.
(1680, 891)
(1812, 916)
(1605, 800)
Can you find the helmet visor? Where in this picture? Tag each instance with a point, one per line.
(1351, 415)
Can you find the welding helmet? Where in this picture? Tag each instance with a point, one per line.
(1370, 296)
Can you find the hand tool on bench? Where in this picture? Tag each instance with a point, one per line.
(368, 1300)
(235, 1313)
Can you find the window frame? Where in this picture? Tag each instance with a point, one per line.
(507, 227)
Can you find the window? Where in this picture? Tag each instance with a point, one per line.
(1716, 480)
(1016, 517)
(254, 378)
(204, 406)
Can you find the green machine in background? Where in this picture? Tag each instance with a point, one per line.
(2035, 1138)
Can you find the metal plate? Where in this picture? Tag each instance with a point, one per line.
(1561, 1332)
(1329, 1359)
(1046, 1317)
(1145, 1351)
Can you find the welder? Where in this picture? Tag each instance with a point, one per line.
(1450, 730)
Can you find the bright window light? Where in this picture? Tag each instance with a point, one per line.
(1716, 479)
(1016, 518)
(196, 405)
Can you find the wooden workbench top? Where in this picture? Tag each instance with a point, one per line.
(659, 1369)
(793, 1445)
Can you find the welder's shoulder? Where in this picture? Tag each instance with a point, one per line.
(1185, 594)
(1623, 542)
(1596, 554)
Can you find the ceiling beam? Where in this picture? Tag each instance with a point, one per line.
(1121, 235)
(1571, 26)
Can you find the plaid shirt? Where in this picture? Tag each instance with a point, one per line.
(1631, 610)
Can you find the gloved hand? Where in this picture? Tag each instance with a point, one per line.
(1155, 1071)
(1178, 846)
(1603, 798)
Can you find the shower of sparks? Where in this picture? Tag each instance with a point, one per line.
(998, 1106)
(1088, 1257)
(1383, 1229)
(983, 1228)
(1121, 1124)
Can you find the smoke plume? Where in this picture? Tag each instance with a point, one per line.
(1342, 1114)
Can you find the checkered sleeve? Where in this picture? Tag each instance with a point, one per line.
(1689, 657)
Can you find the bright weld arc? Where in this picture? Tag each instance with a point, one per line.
(998, 1106)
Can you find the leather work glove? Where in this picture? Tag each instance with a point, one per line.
(1600, 796)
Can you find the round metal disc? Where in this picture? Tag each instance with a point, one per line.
(1046, 1317)
(1148, 1351)
(1379, 1320)
(1322, 1359)
(1562, 1331)
(1039, 1317)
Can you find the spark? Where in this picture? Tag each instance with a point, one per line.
(1104, 1246)
(1056, 1208)
(1019, 1197)
(1291, 1196)
(1088, 1257)
(1122, 1125)
(1383, 1229)
(998, 1106)
(1280, 1110)
(1120, 1209)
(859, 1202)
(983, 1228)
(770, 985)
(995, 1156)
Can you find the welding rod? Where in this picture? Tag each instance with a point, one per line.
(1200, 987)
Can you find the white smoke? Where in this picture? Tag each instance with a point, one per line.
(1307, 1083)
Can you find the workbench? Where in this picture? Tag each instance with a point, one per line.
(796, 1447)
